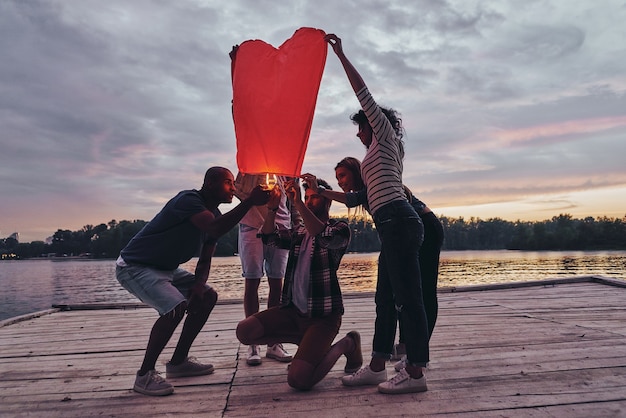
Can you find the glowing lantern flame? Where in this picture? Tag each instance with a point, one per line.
(270, 182)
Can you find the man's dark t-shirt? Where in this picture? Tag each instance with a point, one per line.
(169, 239)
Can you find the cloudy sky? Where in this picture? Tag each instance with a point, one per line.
(513, 109)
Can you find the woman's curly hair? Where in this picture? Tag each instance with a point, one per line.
(392, 115)
(394, 118)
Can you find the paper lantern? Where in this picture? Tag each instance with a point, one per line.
(274, 96)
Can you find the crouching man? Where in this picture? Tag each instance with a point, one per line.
(312, 306)
(148, 267)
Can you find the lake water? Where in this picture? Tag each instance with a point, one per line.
(33, 285)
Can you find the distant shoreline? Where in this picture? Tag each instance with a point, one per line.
(83, 258)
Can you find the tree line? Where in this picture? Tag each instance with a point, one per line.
(562, 232)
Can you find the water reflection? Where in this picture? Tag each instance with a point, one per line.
(484, 267)
(33, 285)
(87, 281)
(25, 288)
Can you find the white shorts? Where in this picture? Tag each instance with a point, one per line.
(257, 258)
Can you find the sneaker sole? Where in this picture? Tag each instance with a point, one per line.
(254, 362)
(350, 383)
(362, 383)
(162, 392)
(278, 358)
(189, 374)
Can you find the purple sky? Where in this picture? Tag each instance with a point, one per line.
(513, 109)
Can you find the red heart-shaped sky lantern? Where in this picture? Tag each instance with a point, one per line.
(274, 96)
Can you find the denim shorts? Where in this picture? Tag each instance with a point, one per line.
(257, 258)
(161, 289)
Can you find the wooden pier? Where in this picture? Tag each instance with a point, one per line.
(544, 349)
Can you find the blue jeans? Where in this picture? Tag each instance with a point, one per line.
(399, 286)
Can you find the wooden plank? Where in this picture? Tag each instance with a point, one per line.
(189, 401)
(538, 351)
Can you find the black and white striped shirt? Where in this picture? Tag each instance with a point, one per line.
(381, 168)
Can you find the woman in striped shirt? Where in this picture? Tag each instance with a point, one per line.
(399, 289)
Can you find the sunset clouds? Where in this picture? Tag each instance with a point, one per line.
(514, 109)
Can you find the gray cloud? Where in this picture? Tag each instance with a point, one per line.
(109, 108)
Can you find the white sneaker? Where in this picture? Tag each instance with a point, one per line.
(254, 358)
(364, 376)
(401, 364)
(278, 352)
(398, 352)
(403, 383)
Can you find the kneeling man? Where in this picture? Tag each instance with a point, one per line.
(312, 306)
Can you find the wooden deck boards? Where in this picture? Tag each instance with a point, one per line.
(534, 351)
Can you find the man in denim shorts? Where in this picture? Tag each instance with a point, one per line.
(148, 267)
(258, 258)
(312, 305)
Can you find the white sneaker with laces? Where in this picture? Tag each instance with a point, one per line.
(403, 383)
(401, 364)
(278, 353)
(364, 376)
(254, 356)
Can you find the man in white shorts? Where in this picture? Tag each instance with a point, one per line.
(258, 259)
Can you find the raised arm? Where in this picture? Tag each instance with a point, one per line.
(329, 194)
(311, 222)
(353, 75)
(269, 224)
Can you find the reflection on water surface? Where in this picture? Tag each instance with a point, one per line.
(33, 285)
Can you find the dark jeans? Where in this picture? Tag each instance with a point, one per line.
(399, 287)
(429, 267)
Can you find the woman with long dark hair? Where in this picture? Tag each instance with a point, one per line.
(399, 288)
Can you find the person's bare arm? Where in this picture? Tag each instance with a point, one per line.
(329, 194)
(272, 206)
(203, 267)
(216, 227)
(311, 222)
(356, 81)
